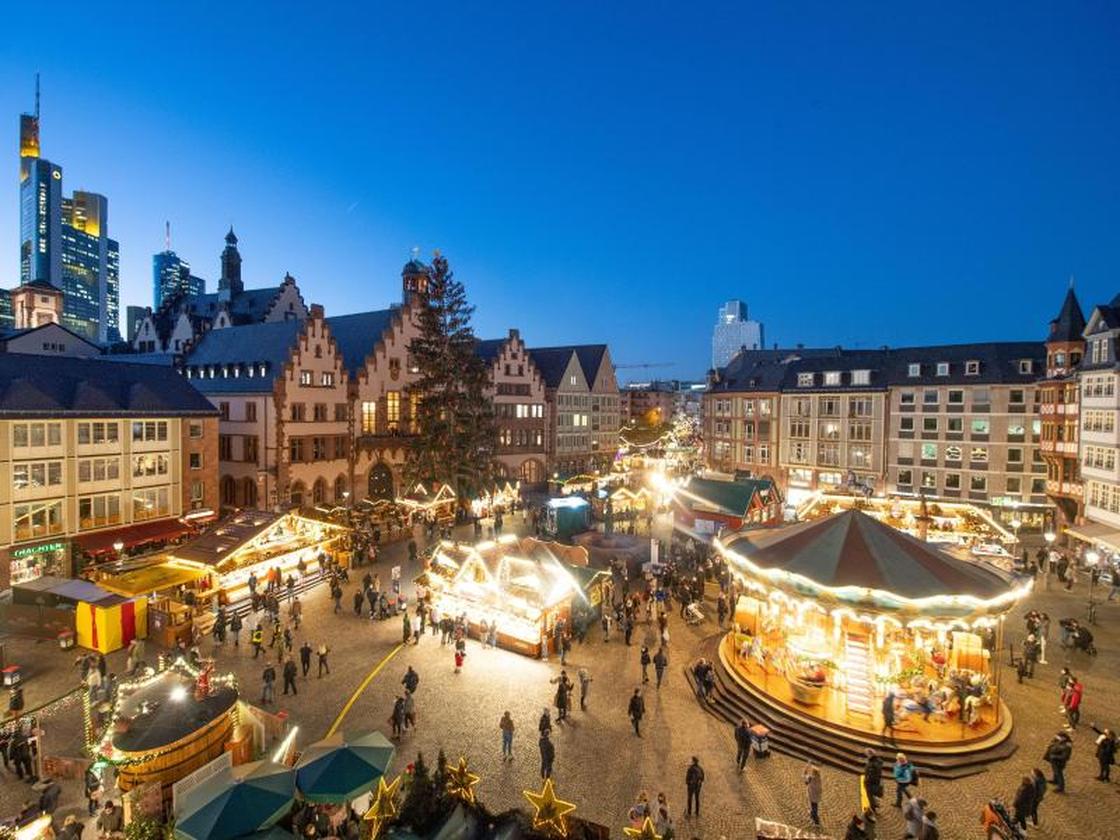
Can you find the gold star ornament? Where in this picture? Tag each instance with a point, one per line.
(646, 832)
(551, 813)
(384, 807)
(461, 782)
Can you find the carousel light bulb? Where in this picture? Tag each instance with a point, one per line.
(179, 693)
(1049, 536)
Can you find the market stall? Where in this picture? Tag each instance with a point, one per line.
(525, 585)
(503, 497)
(843, 615)
(566, 517)
(101, 619)
(622, 502)
(434, 505)
(166, 724)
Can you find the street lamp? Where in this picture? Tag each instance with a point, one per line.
(1091, 560)
(118, 547)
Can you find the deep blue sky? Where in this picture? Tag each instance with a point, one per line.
(603, 172)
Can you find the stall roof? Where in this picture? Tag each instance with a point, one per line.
(218, 543)
(70, 589)
(730, 497)
(150, 579)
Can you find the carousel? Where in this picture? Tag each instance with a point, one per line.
(844, 620)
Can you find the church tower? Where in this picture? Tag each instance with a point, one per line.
(230, 285)
(414, 278)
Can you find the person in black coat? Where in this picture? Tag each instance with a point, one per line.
(411, 680)
(548, 755)
(1023, 804)
(1106, 752)
(1057, 755)
(637, 710)
(873, 778)
(742, 744)
(290, 676)
(693, 781)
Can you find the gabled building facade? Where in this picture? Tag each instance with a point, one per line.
(281, 390)
(1059, 411)
(1099, 441)
(518, 394)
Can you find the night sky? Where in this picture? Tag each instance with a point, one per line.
(860, 175)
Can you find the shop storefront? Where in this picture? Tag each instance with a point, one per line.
(28, 562)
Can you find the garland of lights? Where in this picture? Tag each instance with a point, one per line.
(102, 748)
(49, 709)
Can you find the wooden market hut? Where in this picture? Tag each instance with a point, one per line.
(705, 506)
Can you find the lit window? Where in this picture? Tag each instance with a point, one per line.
(980, 427)
(832, 377)
(861, 377)
(804, 380)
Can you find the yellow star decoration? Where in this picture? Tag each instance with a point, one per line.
(461, 781)
(384, 806)
(550, 811)
(646, 832)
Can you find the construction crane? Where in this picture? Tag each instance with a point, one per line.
(646, 365)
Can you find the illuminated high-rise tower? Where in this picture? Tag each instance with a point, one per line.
(65, 241)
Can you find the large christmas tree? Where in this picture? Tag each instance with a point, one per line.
(456, 436)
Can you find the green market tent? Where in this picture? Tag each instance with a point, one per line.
(342, 766)
(249, 797)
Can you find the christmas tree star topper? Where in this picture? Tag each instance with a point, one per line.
(550, 811)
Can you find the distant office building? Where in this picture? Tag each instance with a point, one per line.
(7, 314)
(734, 331)
(65, 242)
(133, 316)
(171, 276)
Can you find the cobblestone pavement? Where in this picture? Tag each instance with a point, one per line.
(602, 766)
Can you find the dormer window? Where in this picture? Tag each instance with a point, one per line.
(250, 371)
(914, 369)
(1026, 365)
(804, 380)
(832, 377)
(942, 368)
(861, 377)
(972, 368)
(263, 369)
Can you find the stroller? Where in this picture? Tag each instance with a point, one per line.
(999, 822)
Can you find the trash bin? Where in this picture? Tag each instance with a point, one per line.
(66, 639)
(760, 741)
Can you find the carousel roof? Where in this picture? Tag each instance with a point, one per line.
(852, 549)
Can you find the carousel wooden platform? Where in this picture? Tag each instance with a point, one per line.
(805, 736)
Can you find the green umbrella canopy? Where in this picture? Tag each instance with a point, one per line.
(235, 803)
(342, 766)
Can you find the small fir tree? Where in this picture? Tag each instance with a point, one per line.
(456, 433)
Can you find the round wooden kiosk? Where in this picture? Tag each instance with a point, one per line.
(164, 731)
(844, 621)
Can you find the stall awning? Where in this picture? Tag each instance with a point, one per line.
(149, 579)
(1096, 532)
(102, 542)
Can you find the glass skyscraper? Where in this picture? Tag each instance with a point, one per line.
(65, 241)
(171, 276)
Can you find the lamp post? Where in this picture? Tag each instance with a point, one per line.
(1091, 560)
(118, 547)
(1049, 536)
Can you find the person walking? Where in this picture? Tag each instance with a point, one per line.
(693, 781)
(359, 599)
(396, 718)
(913, 814)
(410, 680)
(305, 657)
(1106, 752)
(548, 755)
(235, 625)
(873, 778)
(290, 676)
(813, 787)
(904, 774)
(1071, 700)
(563, 692)
(742, 744)
(637, 710)
(1038, 778)
(459, 654)
(323, 653)
(506, 727)
(1023, 803)
(645, 661)
(1057, 755)
(258, 641)
(409, 710)
(660, 663)
(888, 715)
(584, 687)
(929, 829)
(268, 684)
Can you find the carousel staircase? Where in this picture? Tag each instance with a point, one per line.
(836, 745)
(857, 675)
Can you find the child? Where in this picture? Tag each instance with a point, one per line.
(459, 655)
